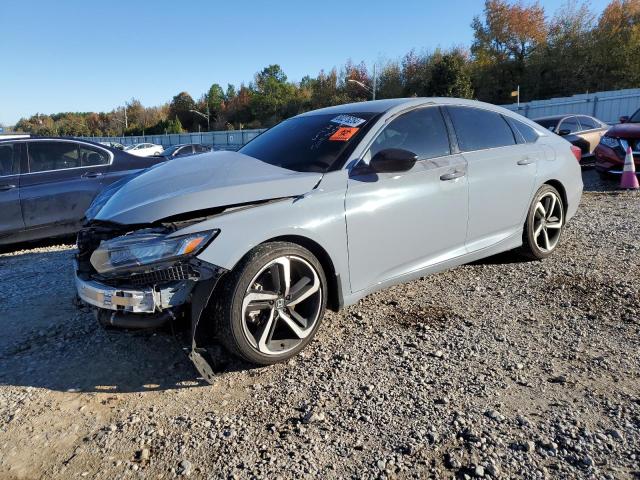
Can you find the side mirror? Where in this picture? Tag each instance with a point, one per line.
(624, 118)
(393, 160)
(564, 131)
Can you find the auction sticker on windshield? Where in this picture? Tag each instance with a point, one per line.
(348, 120)
(343, 134)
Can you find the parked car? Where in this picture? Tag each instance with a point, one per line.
(144, 149)
(46, 184)
(611, 151)
(116, 145)
(318, 212)
(582, 131)
(184, 150)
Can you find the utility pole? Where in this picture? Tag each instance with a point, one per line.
(374, 81)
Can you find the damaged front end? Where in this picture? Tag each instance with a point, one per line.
(143, 276)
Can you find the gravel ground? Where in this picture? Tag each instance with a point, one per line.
(500, 369)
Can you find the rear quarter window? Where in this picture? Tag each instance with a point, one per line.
(523, 132)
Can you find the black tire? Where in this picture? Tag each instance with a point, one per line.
(229, 305)
(530, 247)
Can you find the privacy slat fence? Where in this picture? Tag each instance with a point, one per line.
(607, 106)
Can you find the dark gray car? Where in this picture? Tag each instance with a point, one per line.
(46, 184)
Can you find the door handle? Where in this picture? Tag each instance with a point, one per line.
(525, 161)
(452, 175)
(92, 174)
(7, 187)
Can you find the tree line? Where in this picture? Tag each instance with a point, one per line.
(515, 44)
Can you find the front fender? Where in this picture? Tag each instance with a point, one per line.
(317, 216)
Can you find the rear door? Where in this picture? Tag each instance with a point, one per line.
(10, 212)
(501, 174)
(64, 176)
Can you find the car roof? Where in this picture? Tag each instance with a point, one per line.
(399, 104)
(66, 139)
(551, 118)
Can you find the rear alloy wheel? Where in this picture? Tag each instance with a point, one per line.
(545, 221)
(274, 302)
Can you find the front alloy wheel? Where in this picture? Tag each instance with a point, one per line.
(544, 224)
(274, 302)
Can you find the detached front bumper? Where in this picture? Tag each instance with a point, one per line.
(128, 300)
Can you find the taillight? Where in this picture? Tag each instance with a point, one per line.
(576, 152)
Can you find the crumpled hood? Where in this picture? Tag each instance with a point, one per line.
(625, 130)
(200, 182)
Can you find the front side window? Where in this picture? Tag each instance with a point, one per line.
(420, 131)
(45, 156)
(185, 151)
(569, 125)
(478, 129)
(90, 157)
(311, 143)
(9, 159)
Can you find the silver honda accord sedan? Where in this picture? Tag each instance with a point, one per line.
(252, 246)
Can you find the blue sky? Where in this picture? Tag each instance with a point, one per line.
(72, 55)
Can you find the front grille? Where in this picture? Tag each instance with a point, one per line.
(177, 272)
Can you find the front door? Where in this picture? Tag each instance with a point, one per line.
(401, 223)
(64, 177)
(10, 213)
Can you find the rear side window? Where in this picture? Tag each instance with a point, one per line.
(524, 133)
(478, 129)
(90, 157)
(9, 159)
(45, 156)
(588, 123)
(421, 131)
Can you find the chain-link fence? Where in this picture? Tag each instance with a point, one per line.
(222, 140)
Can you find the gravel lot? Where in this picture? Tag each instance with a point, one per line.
(500, 369)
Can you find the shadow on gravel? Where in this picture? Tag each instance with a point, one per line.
(47, 342)
(87, 358)
(593, 182)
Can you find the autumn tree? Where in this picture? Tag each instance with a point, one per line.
(503, 43)
(180, 108)
(450, 76)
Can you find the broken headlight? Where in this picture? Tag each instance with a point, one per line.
(142, 248)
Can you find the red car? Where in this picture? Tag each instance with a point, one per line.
(611, 150)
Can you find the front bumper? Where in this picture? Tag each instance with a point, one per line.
(133, 300)
(610, 161)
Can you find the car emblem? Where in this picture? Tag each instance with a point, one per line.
(280, 303)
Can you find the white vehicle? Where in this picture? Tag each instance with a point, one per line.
(144, 149)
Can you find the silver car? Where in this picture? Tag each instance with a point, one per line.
(252, 246)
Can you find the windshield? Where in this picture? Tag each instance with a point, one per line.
(311, 143)
(635, 118)
(549, 124)
(130, 147)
